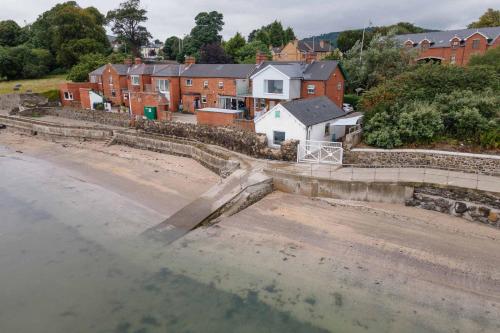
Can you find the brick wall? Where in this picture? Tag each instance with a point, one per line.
(140, 100)
(212, 91)
(215, 118)
(74, 89)
(119, 82)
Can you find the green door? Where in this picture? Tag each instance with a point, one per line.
(150, 112)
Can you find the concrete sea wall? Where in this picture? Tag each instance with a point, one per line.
(35, 127)
(213, 160)
(487, 164)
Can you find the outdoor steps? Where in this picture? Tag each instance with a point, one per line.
(236, 192)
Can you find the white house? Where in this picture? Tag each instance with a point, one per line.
(278, 82)
(315, 119)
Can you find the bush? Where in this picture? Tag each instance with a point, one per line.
(99, 106)
(419, 122)
(52, 95)
(352, 99)
(22, 62)
(88, 63)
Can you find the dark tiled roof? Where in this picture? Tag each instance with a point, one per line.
(168, 70)
(307, 45)
(122, 69)
(315, 71)
(442, 38)
(98, 71)
(141, 69)
(218, 70)
(312, 111)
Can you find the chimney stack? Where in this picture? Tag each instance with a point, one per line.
(138, 61)
(310, 57)
(127, 62)
(189, 60)
(260, 57)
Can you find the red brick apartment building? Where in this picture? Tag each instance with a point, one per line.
(222, 89)
(452, 46)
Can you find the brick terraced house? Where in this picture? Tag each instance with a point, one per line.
(452, 46)
(222, 92)
(298, 50)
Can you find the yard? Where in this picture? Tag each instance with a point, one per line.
(35, 85)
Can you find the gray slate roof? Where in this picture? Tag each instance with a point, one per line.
(312, 111)
(442, 38)
(141, 69)
(307, 45)
(168, 70)
(98, 71)
(316, 71)
(122, 69)
(240, 71)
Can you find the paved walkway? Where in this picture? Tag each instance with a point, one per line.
(425, 175)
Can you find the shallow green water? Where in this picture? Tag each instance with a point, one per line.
(56, 275)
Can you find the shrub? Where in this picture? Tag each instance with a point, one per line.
(52, 95)
(352, 99)
(419, 122)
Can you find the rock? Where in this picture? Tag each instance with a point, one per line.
(460, 207)
(493, 217)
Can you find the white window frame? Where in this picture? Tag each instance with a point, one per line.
(311, 89)
(203, 99)
(68, 96)
(110, 79)
(339, 86)
(205, 84)
(221, 84)
(135, 80)
(166, 85)
(189, 82)
(453, 59)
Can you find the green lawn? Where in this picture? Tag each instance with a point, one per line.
(35, 85)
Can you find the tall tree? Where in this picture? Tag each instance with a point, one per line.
(206, 31)
(246, 54)
(213, 54)
(59, 29)
(272, 34)
(289, 35)
(172, 47)
(347, 39)
(10, 33)
(491, 18)
(233, 45)
(126, 22)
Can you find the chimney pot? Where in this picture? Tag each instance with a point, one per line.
(189, 60)
(310, 57)
(260, 57)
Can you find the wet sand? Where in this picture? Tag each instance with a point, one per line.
(285, 264)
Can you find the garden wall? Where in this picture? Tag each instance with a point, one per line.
(487, 164)
(242, 141)
(97, 116)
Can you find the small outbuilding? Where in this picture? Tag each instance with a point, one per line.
(313, 119)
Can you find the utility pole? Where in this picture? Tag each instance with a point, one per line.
(363, 42)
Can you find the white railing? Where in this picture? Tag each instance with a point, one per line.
(320, 152)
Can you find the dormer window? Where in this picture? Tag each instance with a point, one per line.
(409, 44)
(135, 80)
(425, 44)
(455, 42)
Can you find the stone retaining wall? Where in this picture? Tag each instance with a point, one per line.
(487, 164)
(471, 205)
(242, 141)
(41, 128)
(13, 102)
(97, 116)
(214, 161)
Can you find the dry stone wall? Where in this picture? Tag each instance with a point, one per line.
(487, 164)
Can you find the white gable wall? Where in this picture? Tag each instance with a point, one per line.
(291, 87)
(287, 123)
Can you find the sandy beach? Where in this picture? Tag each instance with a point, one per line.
(286, 264)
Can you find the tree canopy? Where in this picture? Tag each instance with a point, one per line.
(126, 22)
(214, 54)
(491, 18)
(10, 33)
(171, 48)
(234, 44)
(68, 28)
(272, 34)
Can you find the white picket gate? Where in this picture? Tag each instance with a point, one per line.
(320, 152)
